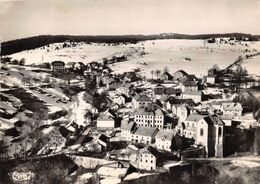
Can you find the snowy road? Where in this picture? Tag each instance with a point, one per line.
(79, 110)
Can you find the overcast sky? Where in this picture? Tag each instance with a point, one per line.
(25, 18)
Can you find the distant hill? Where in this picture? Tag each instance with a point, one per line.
(19, 45)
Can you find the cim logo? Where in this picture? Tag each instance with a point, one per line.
(22, 176)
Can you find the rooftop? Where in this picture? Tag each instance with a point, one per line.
(194, 117)
(146, 131)
(232, 106)
(127, 125)
(142, 97)
(190, 83)
(189, 92)
(166, 134)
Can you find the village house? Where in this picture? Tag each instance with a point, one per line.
(194, 95)
(147, 160)
(58, 66)
(118, 99)
(232, 109)
(191, 85)
(166, 76)
(141, 100)
(188, 127)
(57, 140)
(105, 122)
(211, 79)
(164, 139)
(124, 88)
(78, 65)
(103, 141)
(149, 117)
(181, 76)
(127, 128)
(145, 135)
(162, 90)
(171, 103)
(70, 65)
(182, 111)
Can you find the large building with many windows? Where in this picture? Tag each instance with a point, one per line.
(149, 117)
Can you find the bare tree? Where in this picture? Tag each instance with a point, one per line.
(152, 72)
(215, 67)
(166, 69)
(22, 62)
(158, 72)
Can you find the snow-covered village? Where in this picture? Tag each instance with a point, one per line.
(161, 108)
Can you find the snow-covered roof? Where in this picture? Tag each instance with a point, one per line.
(232, 106)
(166, 134)
(146, 131)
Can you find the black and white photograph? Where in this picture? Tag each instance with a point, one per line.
(130, 92)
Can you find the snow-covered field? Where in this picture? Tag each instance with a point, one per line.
(174, 54)
(81, 53)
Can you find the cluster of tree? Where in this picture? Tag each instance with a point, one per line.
(100, 101)
(13, 61)
(158, 72)
(18, 45)
(249, 104)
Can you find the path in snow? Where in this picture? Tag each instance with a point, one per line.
(80, 109)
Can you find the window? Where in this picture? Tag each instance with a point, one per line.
(219, 131)
(151, 161)
(201, 132)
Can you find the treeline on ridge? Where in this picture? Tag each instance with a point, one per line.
(19, 45)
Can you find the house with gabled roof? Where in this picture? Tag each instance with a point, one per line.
(141, 100)
(124, 88)
(147, 159)
(127, 128)
(145, 135)
(164, 139)
(166, 76)
(194, 95)
(182, 111)
(191, 85)
(232, 109)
